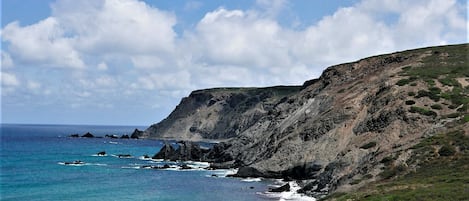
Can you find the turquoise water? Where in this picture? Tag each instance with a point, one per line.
(32, 168)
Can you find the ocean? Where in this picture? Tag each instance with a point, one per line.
(34, 167)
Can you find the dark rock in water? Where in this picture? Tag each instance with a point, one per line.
(77, 162)
(185, 167)
(166, 152)
(146, 156)
(214, 175)
(125, 137)
(166, 166)
(74, 135)
(136, 134)
(186, 151)
(251, 187)
(124, 156)
(248, 172)
(283, 188)
(111, 136)
(101, 153)
(88, 135)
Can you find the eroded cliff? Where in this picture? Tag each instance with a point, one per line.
(337, 128)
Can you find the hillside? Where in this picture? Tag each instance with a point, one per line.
(358, 123)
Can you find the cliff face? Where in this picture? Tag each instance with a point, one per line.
(220, 113)
(338, 128)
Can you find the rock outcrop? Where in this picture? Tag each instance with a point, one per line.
(220, 113)
(185, 151)
(332, 129)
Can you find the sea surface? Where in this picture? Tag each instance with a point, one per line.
(34, 157)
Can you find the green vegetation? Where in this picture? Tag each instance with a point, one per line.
(436, 107)
(448, 81)
(392, 171)
(403, 82)
(411, 93)
(447, 150)
(341, 91)
(368, 145)
(438, 177)
(422, 111)
(444, 65)
(435, 96)
(466, 118)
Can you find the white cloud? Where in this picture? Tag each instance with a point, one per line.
(123, 27)
(165, 81)
(9, 80)
(33, 85)
(7, 62)
(136, 54)
(102, 66)
(42, 43)
(225, 37)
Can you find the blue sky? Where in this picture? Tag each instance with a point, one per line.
(129, 62)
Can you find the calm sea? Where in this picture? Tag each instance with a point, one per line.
(33, 157)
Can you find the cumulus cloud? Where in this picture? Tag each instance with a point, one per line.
(41, 43)
(127, 50)
(109, 26)
(235, 37)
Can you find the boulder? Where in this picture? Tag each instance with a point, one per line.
(125, 137)
(88, 135)
(283, 188)
(166, 152)
(74, 135)
(101, 153)
(136, 134)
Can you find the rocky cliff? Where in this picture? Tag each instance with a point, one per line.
(335, 129)
(219, 113)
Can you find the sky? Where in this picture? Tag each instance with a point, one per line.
(129, 62)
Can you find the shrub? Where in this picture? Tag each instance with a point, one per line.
(436, 107)
(409, 102)
(430, 94)
(403, 82)
(411, 93)
(341, 91)
(449, 81)
(447, 150)
(422, 111)
(392, 171)
(452, 115)
(368, 145)
(466, 118)
(387, 160)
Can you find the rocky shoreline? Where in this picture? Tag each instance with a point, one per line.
(192, 151)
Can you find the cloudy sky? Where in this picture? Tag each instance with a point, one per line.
(129, 62)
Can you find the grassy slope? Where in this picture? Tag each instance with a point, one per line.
(441, 175)
(442, 160)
